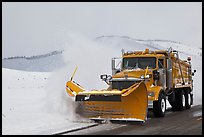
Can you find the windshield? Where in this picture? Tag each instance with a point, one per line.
(139, 62)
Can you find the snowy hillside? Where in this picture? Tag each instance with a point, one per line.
(138, 44)
(47, 62)
(37, 103)
(56, 59)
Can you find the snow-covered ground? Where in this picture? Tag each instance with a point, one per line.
(29, 106)
(36, 102)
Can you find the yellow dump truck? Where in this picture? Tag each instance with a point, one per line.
(144, 82)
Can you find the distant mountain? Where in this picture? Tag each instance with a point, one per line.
(42, 63)
(139, 44)
(53, 60)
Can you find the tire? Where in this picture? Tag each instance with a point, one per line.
(179, 104)
(159, 106)
(191, 99)
(188, 100)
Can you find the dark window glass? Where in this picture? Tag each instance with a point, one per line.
(161, 63)
(139, 62)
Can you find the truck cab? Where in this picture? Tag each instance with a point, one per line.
(161, 71)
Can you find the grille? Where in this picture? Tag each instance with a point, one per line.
(120, 85)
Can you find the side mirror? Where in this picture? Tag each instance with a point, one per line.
(113, 64)
(114, 67)
(104, 77)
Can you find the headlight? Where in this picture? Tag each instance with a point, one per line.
(151, 94)
(147, 76)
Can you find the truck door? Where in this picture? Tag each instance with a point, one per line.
(162, 72)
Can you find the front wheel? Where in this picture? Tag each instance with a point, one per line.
(159, 106)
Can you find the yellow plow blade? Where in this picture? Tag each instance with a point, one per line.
(128, 104)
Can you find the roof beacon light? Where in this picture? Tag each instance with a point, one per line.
(189, 58)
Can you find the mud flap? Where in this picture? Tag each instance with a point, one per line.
(131, 104)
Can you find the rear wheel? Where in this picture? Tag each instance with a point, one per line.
(180, 101)
(159, 106)
(188, 100)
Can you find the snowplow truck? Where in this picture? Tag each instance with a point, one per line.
(143, 82)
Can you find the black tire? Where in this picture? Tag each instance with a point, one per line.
(191, 99)
(179, 103)
(159, 106)
(188, 99)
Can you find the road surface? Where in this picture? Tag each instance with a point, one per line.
(187, 122)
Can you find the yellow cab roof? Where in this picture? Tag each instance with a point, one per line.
(146, 53)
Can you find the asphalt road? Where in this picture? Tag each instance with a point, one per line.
(187, 122)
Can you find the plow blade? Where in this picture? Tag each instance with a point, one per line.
(128, 104)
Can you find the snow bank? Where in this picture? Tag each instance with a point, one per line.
(35, 103)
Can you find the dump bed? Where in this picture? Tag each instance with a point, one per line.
(181, 73)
